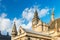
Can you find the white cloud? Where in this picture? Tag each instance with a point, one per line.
(28, 13)
(3, 15)
(43, 12)
(28, 26)
(5, 23)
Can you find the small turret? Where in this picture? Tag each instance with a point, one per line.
(14, 30)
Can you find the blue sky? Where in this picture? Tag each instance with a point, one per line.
(22, 11)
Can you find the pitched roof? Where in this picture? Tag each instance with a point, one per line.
(34, 32)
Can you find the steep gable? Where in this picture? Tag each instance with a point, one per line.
(21, 31)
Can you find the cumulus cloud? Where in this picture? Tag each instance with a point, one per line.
(28, 26)
(43, 12)
(3, 15)
(28, 13)
(5, 23)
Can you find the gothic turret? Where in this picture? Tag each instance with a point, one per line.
(14, 30)
(36, 14)
(52, 16)
(35, 19)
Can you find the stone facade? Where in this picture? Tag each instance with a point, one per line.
(39, 31)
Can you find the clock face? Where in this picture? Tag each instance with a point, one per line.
(34, 23)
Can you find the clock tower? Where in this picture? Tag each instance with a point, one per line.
(35, 19)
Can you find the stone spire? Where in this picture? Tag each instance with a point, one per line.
(36, 14)
(52, 15)
(14, 30)
(35, 18)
